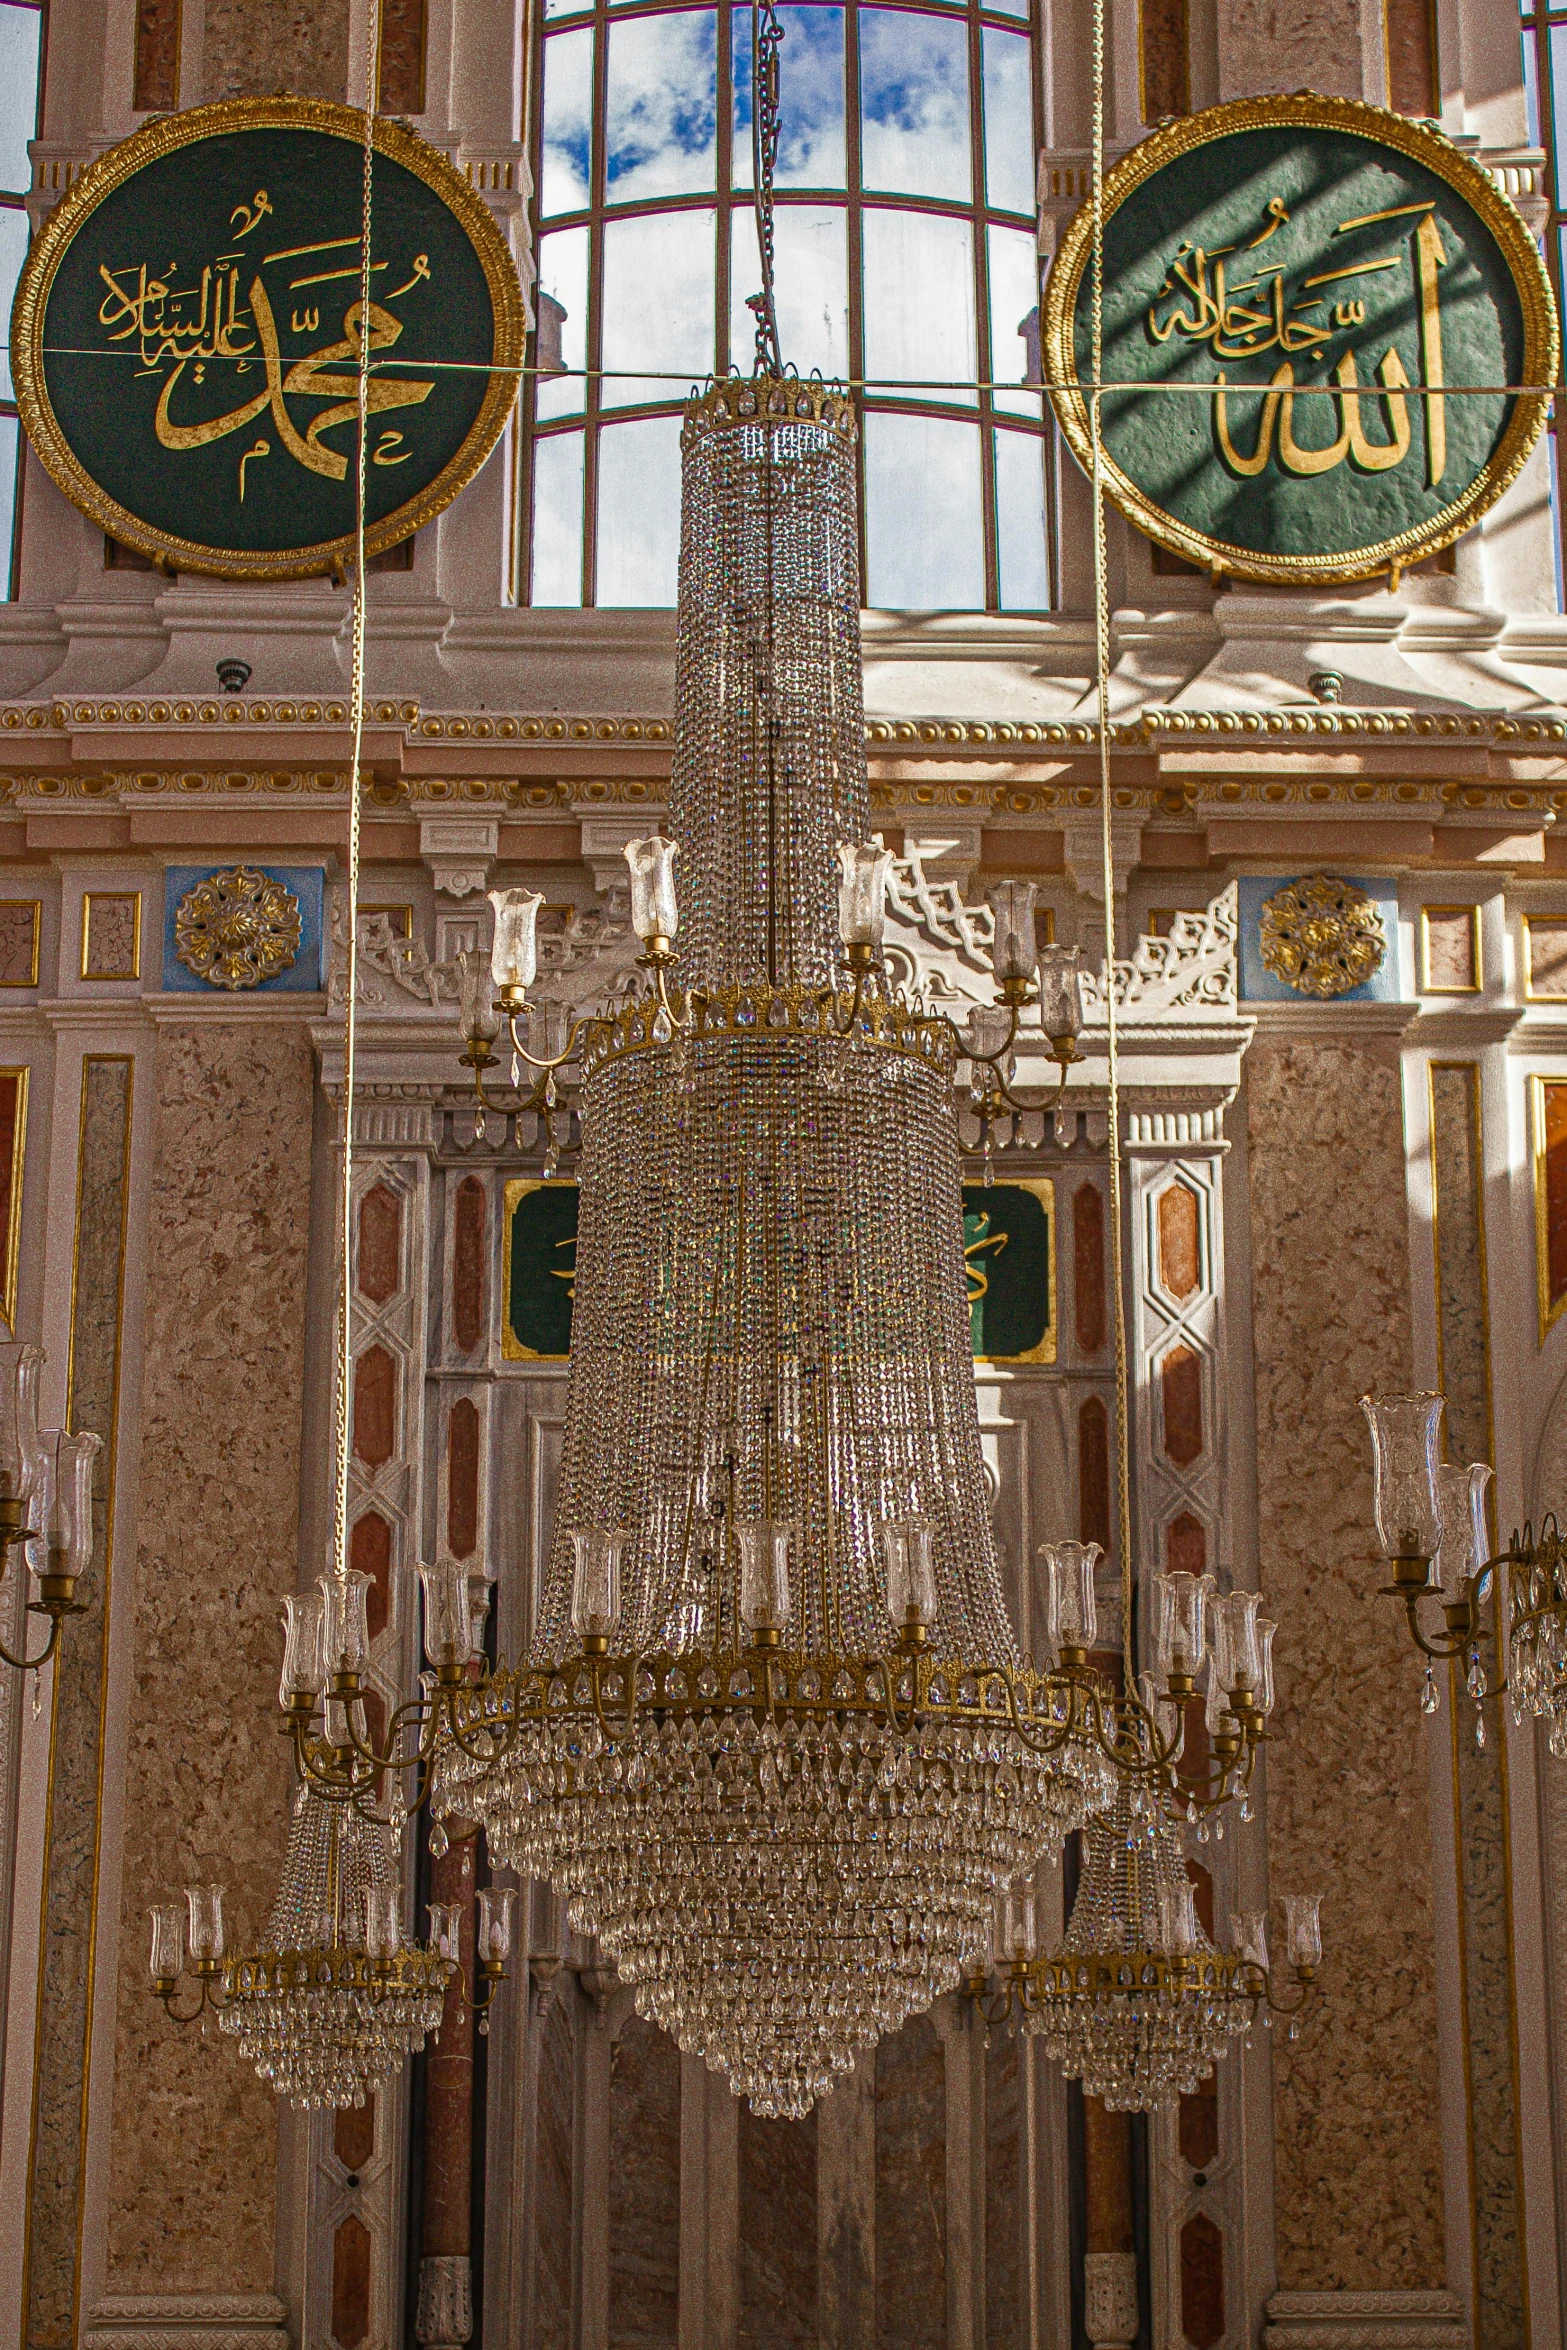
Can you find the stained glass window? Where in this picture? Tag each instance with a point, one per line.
(906, 258)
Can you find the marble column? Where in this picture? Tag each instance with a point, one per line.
(192, 2185)
(444, 2319)
(1357, 2107)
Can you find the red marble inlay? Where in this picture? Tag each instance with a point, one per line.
(1202, 2282)
(1185, 1545)
(353, 2134)
(380, 1272)
(351, 2282)
(447, 2148)
(375, 1407)
(1088, 1266)
(1180, 1375)
(1180, 1243)
(468, 1264)
(370, 1551)
(156, 87)
(1093, 1473)
(401, 78)
(1553, 1144)
(1411, 81)
(1166, 82)
(462, 1478)
(1199, 2124)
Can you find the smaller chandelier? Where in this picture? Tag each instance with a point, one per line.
(1137, 2002)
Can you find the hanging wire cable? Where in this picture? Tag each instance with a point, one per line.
(1107, 851)
(345, 1346)
(766, 35)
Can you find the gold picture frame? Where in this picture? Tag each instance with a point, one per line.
(33, 906)
(165, 137)
(12, 1237)
(1476, 986)
(1533, 994)
(1044, 1190)
(1549, 1311)
(110, 897)
(1406, 136)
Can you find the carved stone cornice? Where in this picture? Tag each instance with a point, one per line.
(187, 2321)
(1429, 2320)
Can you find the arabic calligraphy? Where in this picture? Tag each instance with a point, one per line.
(1243, 317)
(227, 315)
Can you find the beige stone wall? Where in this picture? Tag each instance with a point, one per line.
(1356, 2099)
(193, 2166)
(255, 48)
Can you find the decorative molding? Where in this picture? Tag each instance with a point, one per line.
(188, 2321)
(445, 2315)
(459, 851)
(1110, 2317)
(1431, 2320)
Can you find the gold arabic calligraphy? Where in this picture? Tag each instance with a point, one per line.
(186, 328)
(1208, 308)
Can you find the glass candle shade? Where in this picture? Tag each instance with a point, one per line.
(1181, 1605)
(1466, 1540)
(862, 893)
(1263, 1695)
(1178, 1918)
(383, 1921)
(1070, 1566)
(446, 1930)
(21, 1449)
(1238, 1614)
(1405, 1458)
(1303, 1928)
(595, 1581)
(304, 1669)
(480, 1585)
(204, 1909)
(984, 1033)
(346, 1630)
(514, 952)
(448, 1620)
(1060, 992)
(1014, 953)
(908, 1548)
(1018, 1933)
(168, 1941)
(476, 1013)
(764, 1572)
(1249, 1937)
(495, 1921)
(655, 912)
(69, 1523)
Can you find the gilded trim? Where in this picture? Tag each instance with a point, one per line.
(13, 1232)
(111, 897)
(1533, 994)
(1407, 137)
(1433, 1069)
(517, 1189)
(1477, 985)
(164, 137)
(1548, 1313)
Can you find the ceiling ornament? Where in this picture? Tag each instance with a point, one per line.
(237, 928)
(1322, 936)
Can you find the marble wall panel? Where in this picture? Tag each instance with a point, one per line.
(552, 2181)
(254, 48)
(206, 1776)
(1004, 2277)
(911, 2189)
(62, 2082)
(1480, 1772)
(778, 2233)
(1290, 45)
(644, 2189)
(1357, 2116)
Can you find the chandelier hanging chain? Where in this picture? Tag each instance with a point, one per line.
(766, 35)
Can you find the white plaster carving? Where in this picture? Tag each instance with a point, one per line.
(1432, 2320)
(445, 2315)
(188, 2321)
(1110, 2299)
(1193, 969)
(459, 851)
(1083, 853)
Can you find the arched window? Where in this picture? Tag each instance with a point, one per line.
(906, 257)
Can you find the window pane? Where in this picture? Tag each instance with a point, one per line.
(810, 140)
(919, 300)
(661, 111)
(1531, 89)
(914, 104)
(1021, 545)
(1009, 122)
(554, 8)
(557, 519)
(639, 511)
(19, 28)
(563, 279)
(925, 547)
(658, 304)
(1006, 7)
(1558, 38)
(13, 252)
(812, 287)
(568, 118)
(1014, 314)
(9, 432)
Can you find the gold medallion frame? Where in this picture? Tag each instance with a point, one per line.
(1373, 123)
(166, 137)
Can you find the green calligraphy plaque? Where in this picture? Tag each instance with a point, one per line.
(539, 1270)
(1317, 317)
(185, 338)
(1009, 1256)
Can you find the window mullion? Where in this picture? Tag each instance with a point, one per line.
(984, 325)
(856, 245)
(592, 390)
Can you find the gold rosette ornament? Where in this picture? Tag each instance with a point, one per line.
(237, 928)
(1322, 936)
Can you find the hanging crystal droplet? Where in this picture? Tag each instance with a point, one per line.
(480, 1127)
(1245, 1811)
(38, 1694)
(1293, 2033)
(663, 1026)
(440, 1842)
(551, 1162)
(1202, 1831)
(1475, 1681)
(1429, 1699)
(1218, 1831)
(551, 1091)
(1479, 1728)
(516, 1067)
(484, 2027)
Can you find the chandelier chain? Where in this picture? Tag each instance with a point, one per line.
(766, 35)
